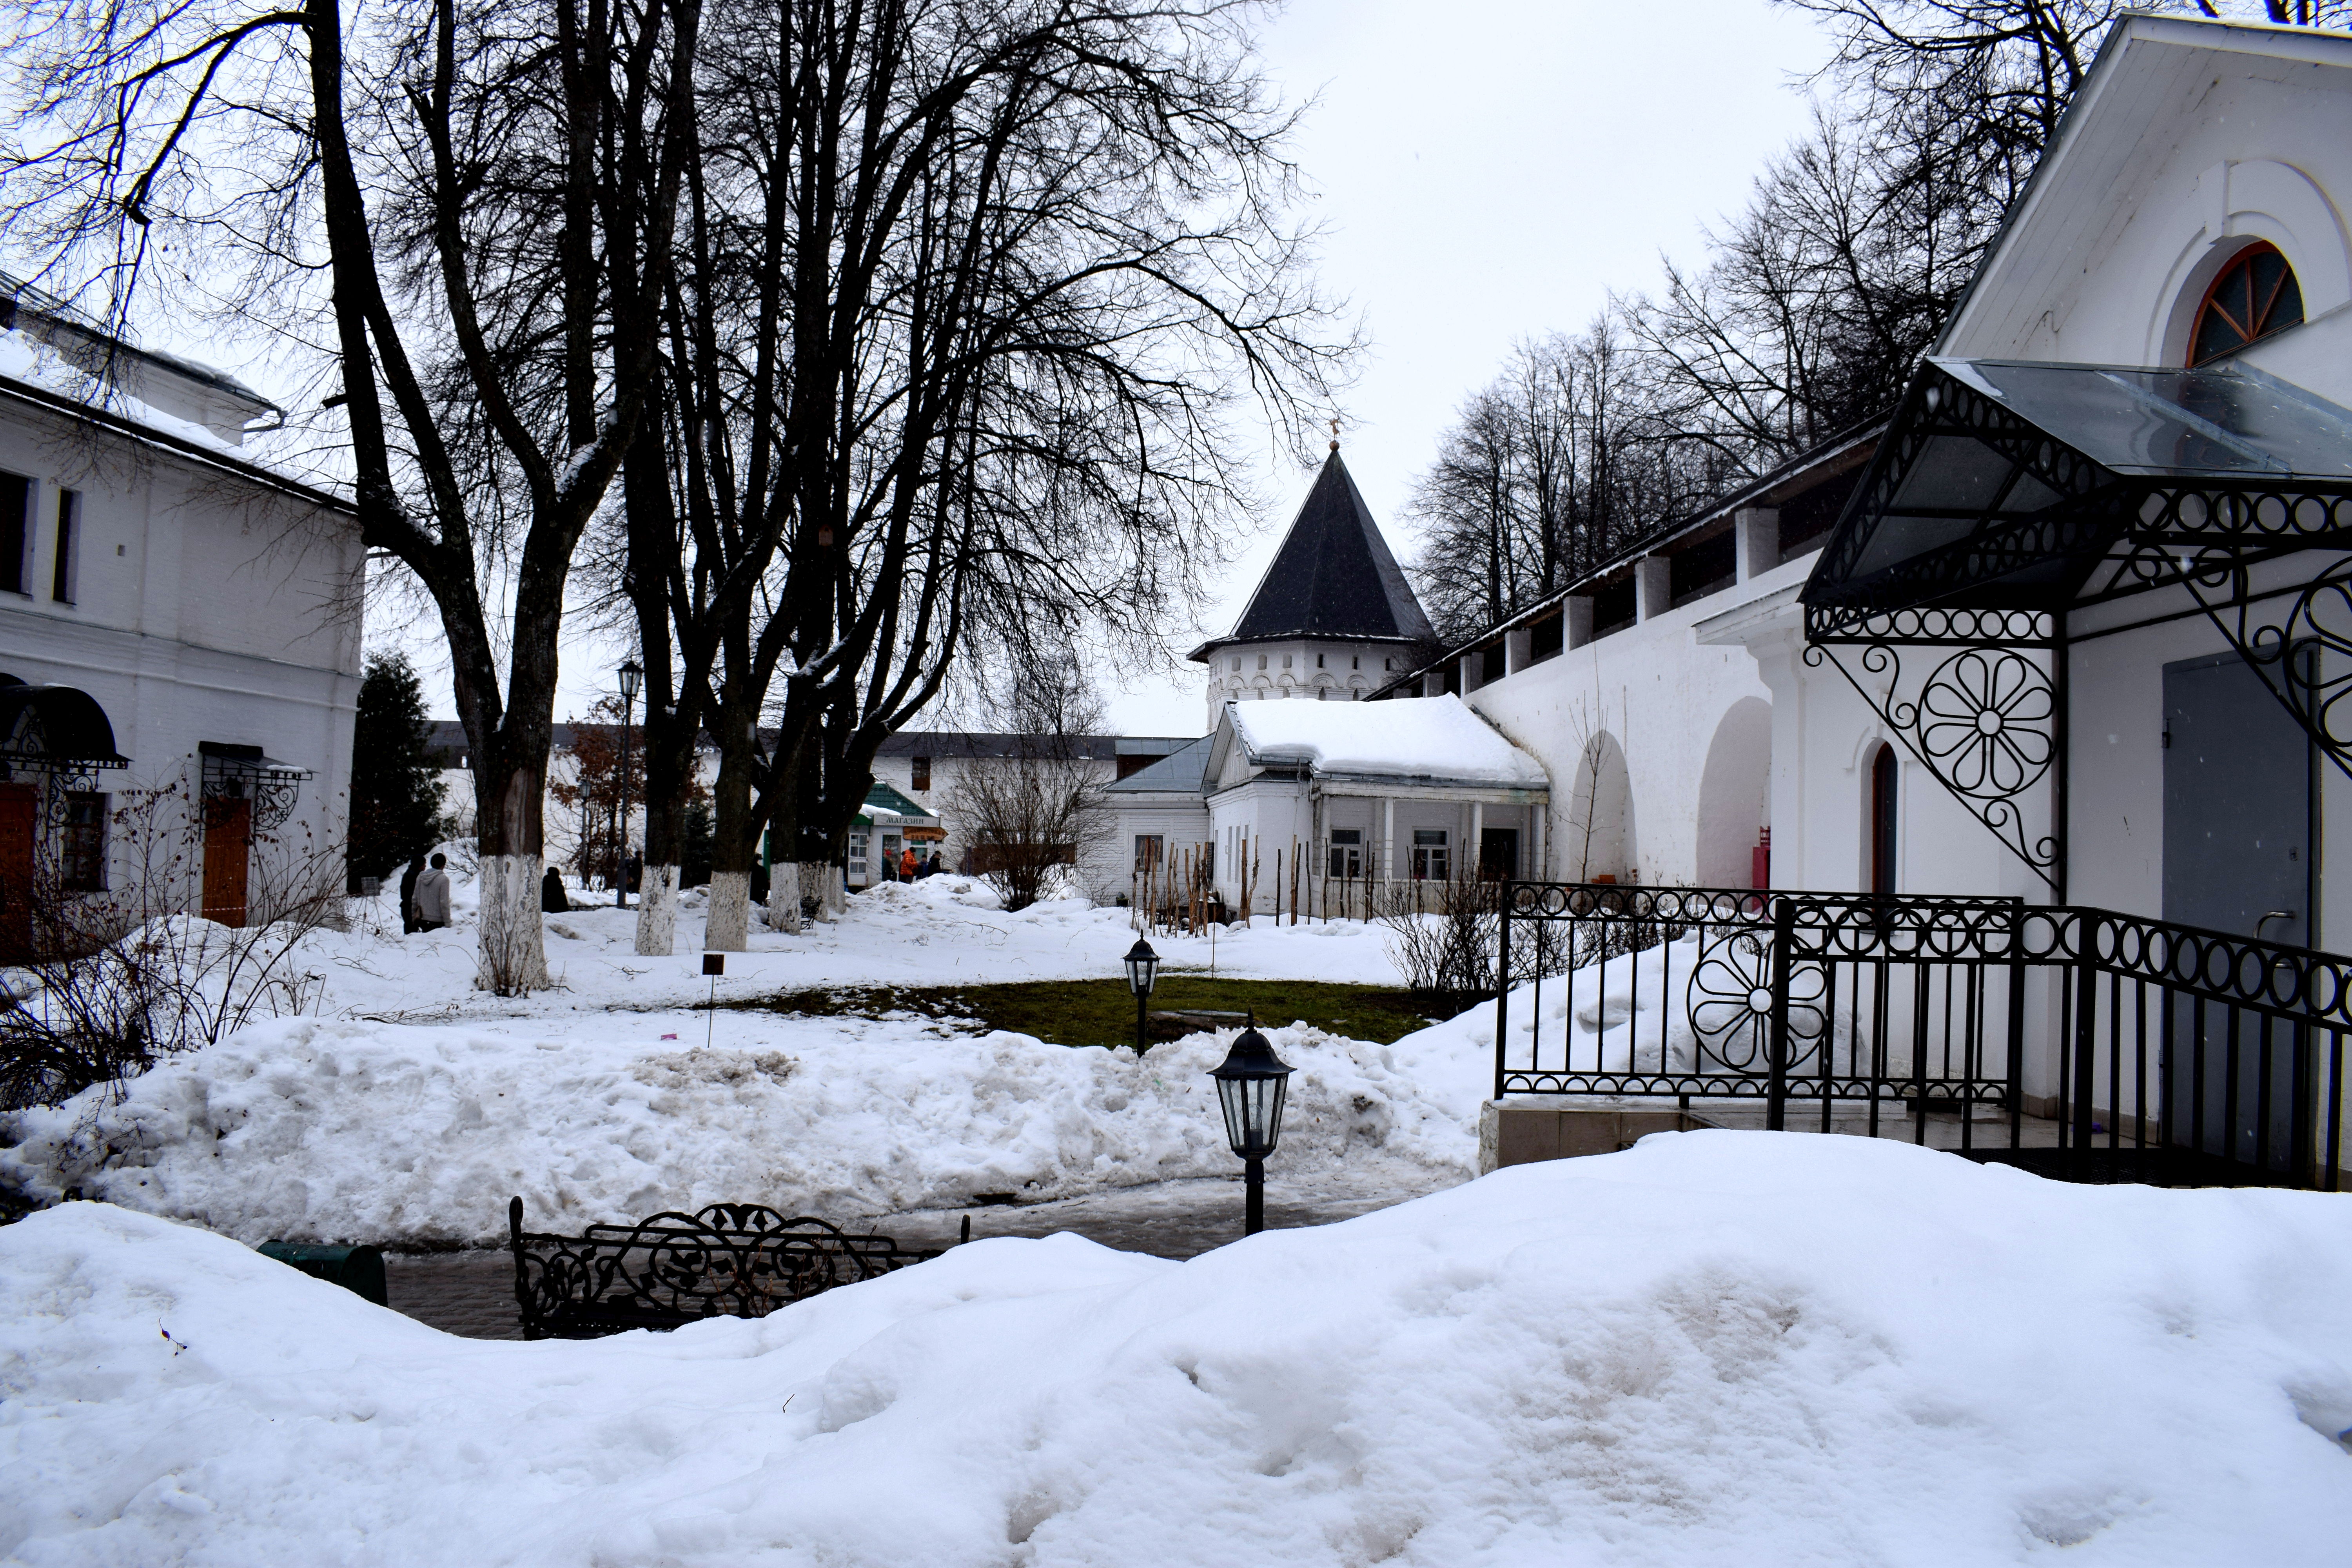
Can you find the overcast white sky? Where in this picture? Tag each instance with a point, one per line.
(1490, 170)
(1487, 170)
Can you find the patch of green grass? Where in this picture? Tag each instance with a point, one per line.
(1102, 1012)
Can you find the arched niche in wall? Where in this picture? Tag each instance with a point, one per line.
(1734, 792)
(1595, 834)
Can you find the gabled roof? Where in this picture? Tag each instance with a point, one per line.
(891, 803)
(1185, 770)
(1333, 577)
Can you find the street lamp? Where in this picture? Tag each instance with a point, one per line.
(633, 679)
(1250, 1086)
(1142, 967)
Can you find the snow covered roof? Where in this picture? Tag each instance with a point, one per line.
(1433, 739)
(1333, 577)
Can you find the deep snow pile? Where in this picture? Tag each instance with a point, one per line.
(359, 1128)
(1714, 1348)
(393, 1133)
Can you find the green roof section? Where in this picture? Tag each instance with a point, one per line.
(884, 797)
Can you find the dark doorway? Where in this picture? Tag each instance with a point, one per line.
(2237, 804)
(2238, 858)
(1498, 854)
(1884, 772)
(19, 810)
(229, 851)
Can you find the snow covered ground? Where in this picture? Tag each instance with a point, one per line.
(1714, 1348)
(408, 1107)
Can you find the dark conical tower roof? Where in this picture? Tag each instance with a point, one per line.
(1333, 577)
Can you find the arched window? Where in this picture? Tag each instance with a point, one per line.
(1882, 821)
(2255, 296)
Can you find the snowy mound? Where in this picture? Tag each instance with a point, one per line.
(366, 1130)
(1715, 1348)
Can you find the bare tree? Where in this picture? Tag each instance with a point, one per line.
(969, 293)
(1025, 815)
(486, 196)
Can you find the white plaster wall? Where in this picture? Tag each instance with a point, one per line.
(204, 610)
(1350, 671)
(1664, 696)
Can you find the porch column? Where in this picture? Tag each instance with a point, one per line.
(1433, 684)
(1477, 836)
(1388, 837)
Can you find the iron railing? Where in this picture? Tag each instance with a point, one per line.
(2078, 1041)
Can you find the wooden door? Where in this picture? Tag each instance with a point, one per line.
(20, 808)
(228, 849)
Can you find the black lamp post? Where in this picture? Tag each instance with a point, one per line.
(633, 678)
(1143, 968)
(1251, 1082)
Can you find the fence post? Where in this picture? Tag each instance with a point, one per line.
(1502, 990)
(2086, 1036)
(2017, 1024)
(1776, 1104)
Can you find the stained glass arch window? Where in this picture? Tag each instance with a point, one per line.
(2255, 295)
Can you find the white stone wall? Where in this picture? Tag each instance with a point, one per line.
(1313, 670)
(204, 608)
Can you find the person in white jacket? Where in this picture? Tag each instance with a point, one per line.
(433, 896)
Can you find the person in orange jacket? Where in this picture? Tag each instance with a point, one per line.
(907, 864)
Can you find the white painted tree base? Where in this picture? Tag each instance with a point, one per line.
(785, 897)
(727, 927)
(513, 956)
(658, 913)
(831, 895)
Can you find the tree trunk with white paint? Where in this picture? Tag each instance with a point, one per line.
(832, 894)
(658, 913)
(513, 951)
(727, 927)
(784, 896)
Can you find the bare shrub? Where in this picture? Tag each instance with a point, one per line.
(118, 977)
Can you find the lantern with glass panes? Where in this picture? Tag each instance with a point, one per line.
(1251, 1083)
(1143, 968)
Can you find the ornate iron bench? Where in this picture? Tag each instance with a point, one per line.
(738, 1261)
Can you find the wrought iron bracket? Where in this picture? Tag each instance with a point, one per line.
(1986, 717)
(2299, 643)
(242, 772)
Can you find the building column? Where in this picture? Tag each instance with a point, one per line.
(1471, 666)
(1575, 620)
(1653, 587)
(1518, 647)
(1755, 541)
(1477, 835)
(1433, 683)
(1388, 838)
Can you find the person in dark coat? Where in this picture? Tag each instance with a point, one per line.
(408, 893)
(550, 894)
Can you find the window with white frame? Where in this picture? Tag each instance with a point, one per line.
(857, 843)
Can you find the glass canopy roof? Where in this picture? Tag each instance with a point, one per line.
(2004, 482)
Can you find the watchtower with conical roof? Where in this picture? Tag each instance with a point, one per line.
(1333, 617)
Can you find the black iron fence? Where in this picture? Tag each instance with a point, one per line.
(2078, 1041)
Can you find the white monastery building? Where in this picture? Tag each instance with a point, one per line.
(2030, 691)
(174, 616)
